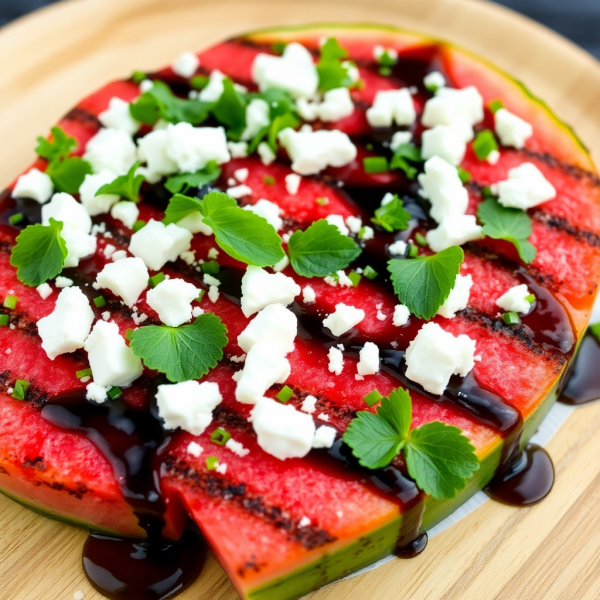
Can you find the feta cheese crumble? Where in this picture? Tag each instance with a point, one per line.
(257, 117)
(458, 298)
(172, 300)
(392, 106)
(44, 290)
(511, 130)
(452, 107)
(194, 449)
(338, 221)
(336, 105)
(309, 404)
(259, 289)
(111, 150)
(343, 319)
(275, 325)
(446, 141)
(157, 243)
(35, 185)
(127, 212)
(97, 205)
(515, 299)
(126, 278)
(336, 361)
(434, 80)
(454, 231)
(369, 359)
(308, 295)
(268, 211)
(525, 188)
(324, 437)
(191, 148)
(401, 315)
(398, 248)
(153, 150)
(399, 138)
(186, 65)
(117, 116)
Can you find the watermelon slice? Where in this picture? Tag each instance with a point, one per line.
(283, 528)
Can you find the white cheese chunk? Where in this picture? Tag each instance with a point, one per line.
(153, 150)
(337, 104)
(454, 231)
(97, 205)
(268, 211)
(493, 157)
(126, 278)
(63, 282)
(239, 191)
(434, 80)
(194, 449)
(96, 393)
(157, 244)
(186, 65)
(257, 117)
(447, 141)
(281, 265)
(236, 447)
(399, 138)
(338, 221)
(343, 319)
(44, 290)
(441, 185)
(294, 71)
(324, 437)
(274, 325)
(111, 150)
(259, 289)
(515, 299)
(392, 106)
(79, 245)
(512, 130)
(369, 359)
(267, 156)
(308, 295)
(458, 298)
(452, 107)
(112, 361)
(146, 85)
(117, 116)
(214, 89)
(401, 315)
(125, 211)
(309, 404)
(35, 185)
(172, 300)
(525, 188)
(191, 148)
(398, 248)
(354, 224)
(336, 361)
(66, 328)
(63, 207)
(435, 355)
(238, 149)
(313, 151)
(188, 405)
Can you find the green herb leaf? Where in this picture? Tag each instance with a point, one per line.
(332, 73)
(230, 109)
(67, 174)
(403, 156)
(331, 50)
(59, 147)
(440, 459)
(181, 206)
(186, 181)
(392, 216)
(182, 353)
(424, 283)
(39, 253)
(397, 411)
(320, 250)
(242, 234)
(510, 224)
(484, 144)
(125, 186)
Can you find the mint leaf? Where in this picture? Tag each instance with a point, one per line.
(59, 147)
(332, 73)
(125, 186)
(397, 410)
(181, 206)
(185, 181)
(424, 283)
(403, 156)
(321, 250)
(181, 353)
(240, 233)
(39, 253)
(510, 224)
(440, 459)
(230, 109)
(392, 216)
(331, 50)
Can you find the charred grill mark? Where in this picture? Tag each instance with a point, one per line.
(217, 487)
(38, 463)
(561, 224)
(84, 117)
(571, 170)
(231, 419)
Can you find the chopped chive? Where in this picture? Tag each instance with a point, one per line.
(269, 180)
(99, 301)
(138, 76)
(369, 272)
(20, 389)
(285, 393)
(595, 330)
(199, 82)
(83, 373)
(484, 144)
(385, 71)
(354, 277)
(372, 398)
(128, 333)
(369, 146)
(530, 298)
(322, 201)
(463, 175)
(200, 295)
(16, 218)
(278, 47)
(220, 437)
(212, 462)
(420, 239)
(211, 267)
(386, 60)
(10, 302)
(114, 393)
(375, 164)
(3, 320)
(138, 225)
(413, 251)
(156, 279)
(510, 318)
(495, 105)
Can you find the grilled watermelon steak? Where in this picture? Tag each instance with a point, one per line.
(441, 228)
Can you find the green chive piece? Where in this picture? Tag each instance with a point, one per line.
(10, 302)
(463, 175)
(420, 239)
(212, 463)
(484, 144)
(375, 164)
(322, 201)
(3, 320)
(128, 333)
(595, 330)
(530, 298)
(16, 218)
(285, 393)
(138, 225)
(138, 76)
(386, 59)
(369, 146)
(495, 105)
(156, 279)
(114, 393)
(510, 318)
(211, 267)
(278, 47)
(20, 389)
(385, 71)
(199, 82)
(354, 277)
(220, 437)
(83, 373)
(269, 180)
(99, 301)
(413, 251)
(369, 272)
(373, 398)
(200, 295)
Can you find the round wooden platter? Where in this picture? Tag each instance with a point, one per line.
(54, 57)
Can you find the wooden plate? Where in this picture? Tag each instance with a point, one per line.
(53, 58)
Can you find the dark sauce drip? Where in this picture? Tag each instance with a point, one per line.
(583, 385)
(30, 209)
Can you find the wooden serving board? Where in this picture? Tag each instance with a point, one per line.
(53, 58)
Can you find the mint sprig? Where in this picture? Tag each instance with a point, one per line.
(126, 186)
(180, 207)
(181, 353)
(404, 157)
(332, 73)
(230, 109)
(392, 216)
(60, 146)
(321, 250)
(510, 224)
(424, 283)
(186, 181)
(439, 457)
(39, 253)
(67, 174)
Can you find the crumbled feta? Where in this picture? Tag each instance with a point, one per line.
(146, 85)
(292, 183)
(126, 278)
(239, 191)
(308, 295)
(213, 293)
(515, 299)
(188, 405)
(512, 130)
(454, 231)
(97, 205)
(435, 355)
(241, 174)
(172, 300)
(111, 150)
(117, 116)
(44, 290)
(294, 71)
(152, 149)
(281, 265)
(125, 211)
(493, 157)
(257, 117)
(337, 104)
(236, 448)
(458, 298)
(106, 315)
(525, 188)
(274, 325)
(267, 156)
(208, 279)
(281, 430)
(453, 107)
(157, 244)
(197, 311)
(304, 522)
(379, 51)
(119, 255)
(324, 437)
(446, 141)
(343, 319)
(214, 89)
(221, 468)
(354, 224)
(336, 361)
(268, 211)
(35, 185)
(191, 148)
(194, 449)
(434, 80)
(392, 106)
(259, 289)
(96, 393)
(398, 248)
(399, 138)
(63, 282)
(401, 315)
(441, 185)
(338, 221)
(186, 65)
(313, 151)
(369, 359)
(66, 328)
(309, 404)
(238, 149)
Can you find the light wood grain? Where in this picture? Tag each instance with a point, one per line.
(51, 59)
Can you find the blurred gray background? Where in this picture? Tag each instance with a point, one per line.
(579, 20)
